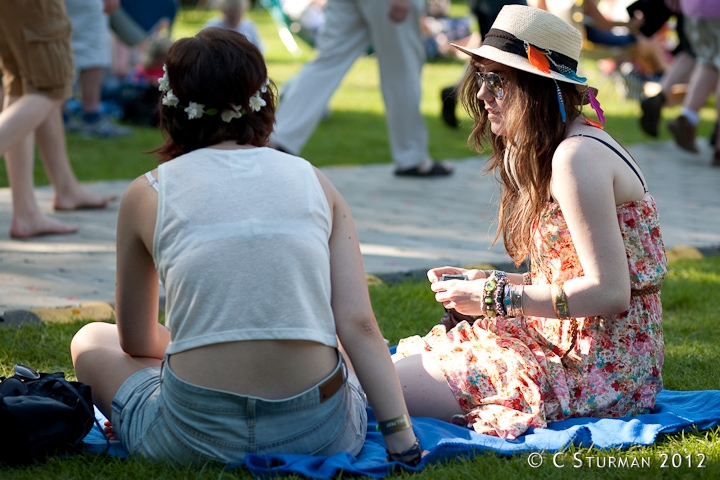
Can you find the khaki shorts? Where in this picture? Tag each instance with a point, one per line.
(35, 52)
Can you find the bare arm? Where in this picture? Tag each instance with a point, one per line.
(137, 290)
(356, 325)
(584, 183)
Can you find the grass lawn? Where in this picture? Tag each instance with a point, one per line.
(355, 134)
(690, 305)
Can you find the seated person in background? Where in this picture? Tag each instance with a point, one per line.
(138, 94)
(233, 18)
(599, 29)
(261, 265)
(441, 30)
(580, 334)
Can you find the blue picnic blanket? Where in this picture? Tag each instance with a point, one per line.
(674, 411)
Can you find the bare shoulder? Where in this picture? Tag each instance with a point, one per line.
(331, 193)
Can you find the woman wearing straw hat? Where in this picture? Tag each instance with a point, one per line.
(580, 334)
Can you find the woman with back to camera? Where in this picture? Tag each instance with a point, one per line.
(580, 334)
(260, 261)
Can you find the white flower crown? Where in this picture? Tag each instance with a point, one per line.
(197, 110)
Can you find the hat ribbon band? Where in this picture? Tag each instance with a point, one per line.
(508, 42)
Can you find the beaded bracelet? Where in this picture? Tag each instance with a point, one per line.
(411, 456)
(559, 301)
(493, 296)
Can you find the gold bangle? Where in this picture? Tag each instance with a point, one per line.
(394, 425)
(559, 301)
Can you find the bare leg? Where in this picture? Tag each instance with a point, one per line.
(678, 72)
(100, 362)
(702, 83)
(21, 115)
(425, 388)
(69, 194)
(28, 220)
(91, 86)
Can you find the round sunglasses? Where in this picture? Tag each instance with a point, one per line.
(492, 81)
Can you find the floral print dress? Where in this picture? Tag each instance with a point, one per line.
(510, 374)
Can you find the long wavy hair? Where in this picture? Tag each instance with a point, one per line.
(217, 67)
(521, 158)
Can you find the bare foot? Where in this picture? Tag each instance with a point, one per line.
(39, 225)
(82, 199)
(109, 431)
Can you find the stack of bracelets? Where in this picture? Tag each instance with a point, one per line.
(501, 298)
(412, 455)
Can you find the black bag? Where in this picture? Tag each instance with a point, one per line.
(42, 416)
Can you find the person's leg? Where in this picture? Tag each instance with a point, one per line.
(684, 128)
(426, 391)
(342, 39)
(100, 362)
(704, 38)
(90, 87)
(69, 194)
(18, 120)
(677, 73)
(401, 55)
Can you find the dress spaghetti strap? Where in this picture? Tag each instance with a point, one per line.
(629, 163)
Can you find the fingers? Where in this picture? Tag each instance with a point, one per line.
(434, 274)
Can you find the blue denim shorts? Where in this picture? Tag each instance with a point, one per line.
(157, 415)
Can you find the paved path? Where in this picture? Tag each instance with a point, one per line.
(405, 225)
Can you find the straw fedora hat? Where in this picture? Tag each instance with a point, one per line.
(533, 40)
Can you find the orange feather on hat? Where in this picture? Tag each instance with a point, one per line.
(537, 59)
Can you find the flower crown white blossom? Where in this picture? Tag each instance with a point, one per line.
(197, 110)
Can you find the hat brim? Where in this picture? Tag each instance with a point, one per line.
(516, 61)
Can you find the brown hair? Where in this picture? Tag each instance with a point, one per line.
(216, 68)
(522, 157)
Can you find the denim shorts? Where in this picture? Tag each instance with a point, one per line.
(157, 415)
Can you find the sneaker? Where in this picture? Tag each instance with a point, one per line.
(684, 133)
(650, 117)
(103, 128)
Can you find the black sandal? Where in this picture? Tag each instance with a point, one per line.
(437, 170)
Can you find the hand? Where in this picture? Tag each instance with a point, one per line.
(434, 274)
(399, 10)
(464, 296)
(474, 274)
(110, 6)
(636, 22)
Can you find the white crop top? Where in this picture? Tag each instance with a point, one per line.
(241, 247)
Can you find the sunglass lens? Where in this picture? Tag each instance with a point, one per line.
(26, 373)
(494, 84)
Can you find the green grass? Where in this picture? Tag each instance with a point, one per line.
(355, 132)
(690, 305)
